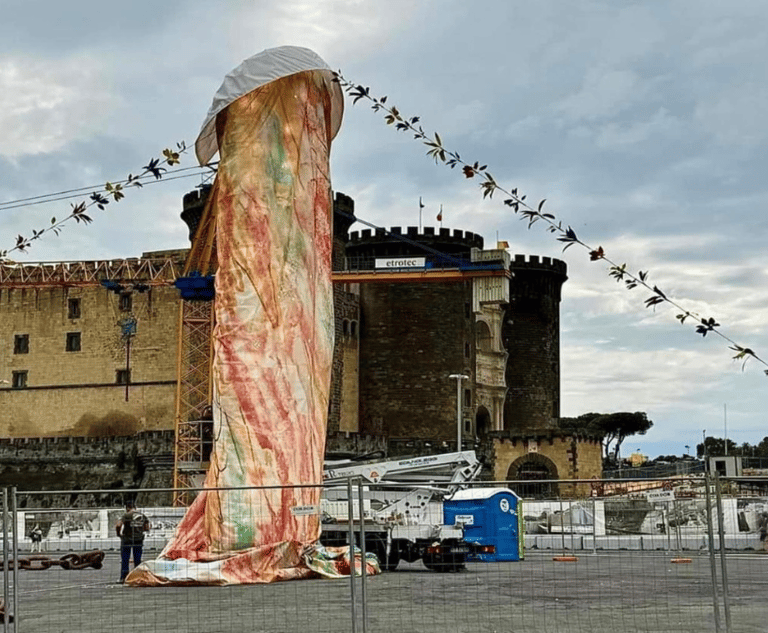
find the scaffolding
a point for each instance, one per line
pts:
(152, 271)
(194, 387)
(193, 397)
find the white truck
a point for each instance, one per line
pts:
(402, 508)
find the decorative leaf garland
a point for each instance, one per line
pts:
(100, 199)
(517, 202)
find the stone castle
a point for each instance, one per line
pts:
(90, 352)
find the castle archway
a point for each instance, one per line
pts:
(482, 422)
(483, 336)
(532, 476)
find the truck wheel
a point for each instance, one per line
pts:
(444, 563)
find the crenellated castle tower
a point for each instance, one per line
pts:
(531, 336)
(412, 337)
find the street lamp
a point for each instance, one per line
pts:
(458, 378)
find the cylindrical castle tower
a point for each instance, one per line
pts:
(193, 205)
(343, 218)
(412, 337)
(343, 402)
(531, 336)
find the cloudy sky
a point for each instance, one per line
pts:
(642, 123)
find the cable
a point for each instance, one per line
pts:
(80, 191)
(90, 190)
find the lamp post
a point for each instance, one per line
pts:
(458, 378)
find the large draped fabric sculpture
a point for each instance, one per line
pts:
(272, 122)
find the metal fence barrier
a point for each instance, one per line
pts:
(675, 554)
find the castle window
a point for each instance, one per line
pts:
(19, 379)
(73, 308)
(73, 341)
(126, 302)
(466, 350)
(123, 376)
(345, 327)
(467, 397)
(21, 344)
(483, 336)
(353, 329)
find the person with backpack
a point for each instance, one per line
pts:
(131, 528)
(36, 536)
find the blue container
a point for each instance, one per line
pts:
(490, 517)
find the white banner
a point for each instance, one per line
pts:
(402, 262)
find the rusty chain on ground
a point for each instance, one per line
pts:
(93, 559)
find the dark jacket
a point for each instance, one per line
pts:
(131, 527)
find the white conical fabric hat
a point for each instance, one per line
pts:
(267, 66)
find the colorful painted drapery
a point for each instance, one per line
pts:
(273, 343)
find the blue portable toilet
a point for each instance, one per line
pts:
(491, 518)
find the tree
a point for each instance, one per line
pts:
(667, 458)
(715, 446)
(614, 428)
(761, 450)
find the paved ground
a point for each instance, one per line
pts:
(632, 592)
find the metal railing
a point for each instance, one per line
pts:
(598, 555)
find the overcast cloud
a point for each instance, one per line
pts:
(643, 124)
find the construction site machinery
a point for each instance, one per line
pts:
(402, 510)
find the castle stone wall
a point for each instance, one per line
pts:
(573, 458)
(412, 336)
(86, 463)
(76, 391)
